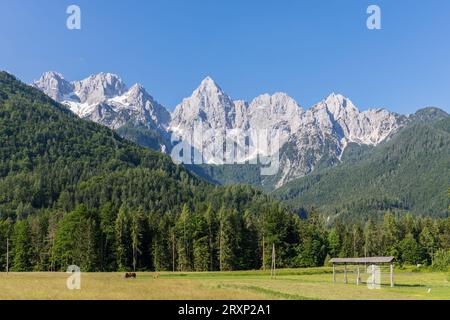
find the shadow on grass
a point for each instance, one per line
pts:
(269, 292)
(401, 285)
(404, 285)
(238, 274)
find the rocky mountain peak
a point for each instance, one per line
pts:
(137, 91)
(99, 87)
(54, 85)
(210, 94)
(208, 104)
(145, 107)
(104, 98)
(208, 85)
(339, 106)
(137, 88)
(52, 75)
(278, 104)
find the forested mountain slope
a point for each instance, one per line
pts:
(48, 156)
(73, 191)
(411, 173)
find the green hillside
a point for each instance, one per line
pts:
(49, 157)
(229, 174)
(143, 136)
(411, 172)
(72, 191)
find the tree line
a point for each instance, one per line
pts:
(211, 239)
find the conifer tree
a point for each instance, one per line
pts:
(123, 241)
(184, 239)
(21, 244)
(137, 220)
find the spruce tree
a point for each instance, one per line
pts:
(21, 244)
(184, 239)
(123, 241)
(137, 220)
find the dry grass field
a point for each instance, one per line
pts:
(312, 283)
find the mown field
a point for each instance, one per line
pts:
(310, 283)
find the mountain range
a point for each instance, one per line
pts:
(308, 138)
(408, 173)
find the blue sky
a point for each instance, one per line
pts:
(305, 48)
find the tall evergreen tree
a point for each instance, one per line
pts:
(313, 242)
(212, 227)
(227, 240)
(6, 230)
(409, 250)
(75, 240)
(371, 238)
(334, 243)
(22, 249)
(200, 243)
(123, 241)
(107, 238)
(428, 242)
(357, 240)
(163, 245)
(184, 239)
(137, 221)
(390, 235)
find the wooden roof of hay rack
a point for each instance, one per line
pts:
(363, 260)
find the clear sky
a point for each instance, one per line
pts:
(305, 48)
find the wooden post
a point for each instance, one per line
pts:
(358, 276)
(334, 273)
(7, 255)
(53, 245)
(273, 268)
(211, 251)
(392, 275)
(345, 274)
(220, 245)
(274, 262)
(263, 254)
(173, 252)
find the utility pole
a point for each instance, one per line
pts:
(220, 246)
(7, 255)
(173, 252)
(210, 250)
(53, 259)
(365, 255)
(263, 254)
(273, 268)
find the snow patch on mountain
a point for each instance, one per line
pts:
(104, 98)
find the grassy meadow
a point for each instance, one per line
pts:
(309, 283)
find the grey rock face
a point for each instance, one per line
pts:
(54, 85)
(207, 104)
(98, 88)
(308, 138)
(105, 99)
